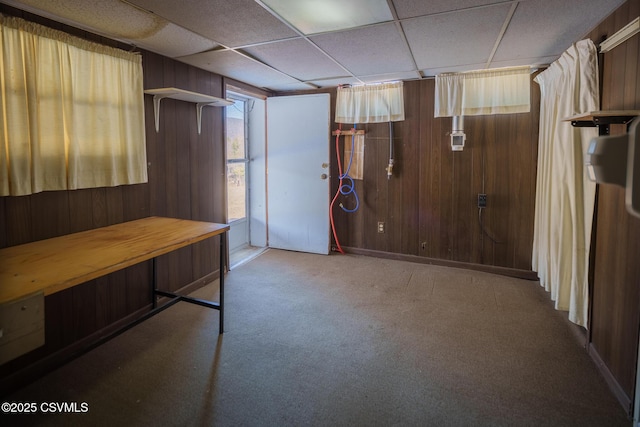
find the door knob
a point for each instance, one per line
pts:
(324, 176)
(325, 165)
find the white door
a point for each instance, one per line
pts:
(297, 173)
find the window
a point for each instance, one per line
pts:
(72, 112)
(236, 160)
(372, 103)
(497, 91)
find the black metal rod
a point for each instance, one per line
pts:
(154, 282)
(155, 292)
(202, 302)
(223, 238)
(198, 301)
(128, 326)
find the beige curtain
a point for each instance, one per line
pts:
(375, 103)
(499, 91)
(72, 112)
(564, 196)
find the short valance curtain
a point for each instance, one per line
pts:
(375, 103)
(72, 112)
(499, 91)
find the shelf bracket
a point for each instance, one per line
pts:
(156, 110)
(199, 106)
(199, 99)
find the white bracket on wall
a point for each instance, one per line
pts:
(200, 99)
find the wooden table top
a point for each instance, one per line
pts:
(55, 264)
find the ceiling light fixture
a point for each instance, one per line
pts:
(319, 16)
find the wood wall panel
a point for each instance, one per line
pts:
(616, 282)
(186, 180)
(49, 215)
(429, 205)
(114, 205)
(3, 220)
(408, 135)
(16, 214)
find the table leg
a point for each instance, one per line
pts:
(154, 282)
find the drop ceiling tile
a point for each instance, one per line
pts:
(370, 50)
(431, 72)
(533, 62)
(230, 23)
(413, 8)
(335, 82)
(542, 28)
(455, 39)
(298, 58)
(108, 17)
(174, 41)
(312, 16)
(232, 64)
(381, 78)
(293, 86)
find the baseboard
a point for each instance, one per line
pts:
(32, 372)
(613, 384)
(503, 271)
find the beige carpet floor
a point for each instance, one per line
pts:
(340, 340)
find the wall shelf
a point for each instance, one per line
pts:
(200, 99)
(602, 119)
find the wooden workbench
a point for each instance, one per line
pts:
(52, 265)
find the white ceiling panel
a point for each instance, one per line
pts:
(109, 17)
(370, 50)
(174, 41)
(455, 39)
(293, 86)
(232, 64)
(540, 61)
(298, 58)
(413, 8)
(336, 82)
(377, 78)
(542, 28)
(431, 72)
(230, 23)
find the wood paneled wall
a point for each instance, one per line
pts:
(186, 180)
(429, 205)
(616, 293)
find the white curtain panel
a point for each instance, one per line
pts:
(565, 197)
(73, 112)
(375, 103)
(498, 91)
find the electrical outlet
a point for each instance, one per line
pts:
(482, 200)
(380, 226)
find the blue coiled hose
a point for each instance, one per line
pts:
(349, 187)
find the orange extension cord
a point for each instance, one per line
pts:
(333, 226)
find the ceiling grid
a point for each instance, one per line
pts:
(284, 45)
